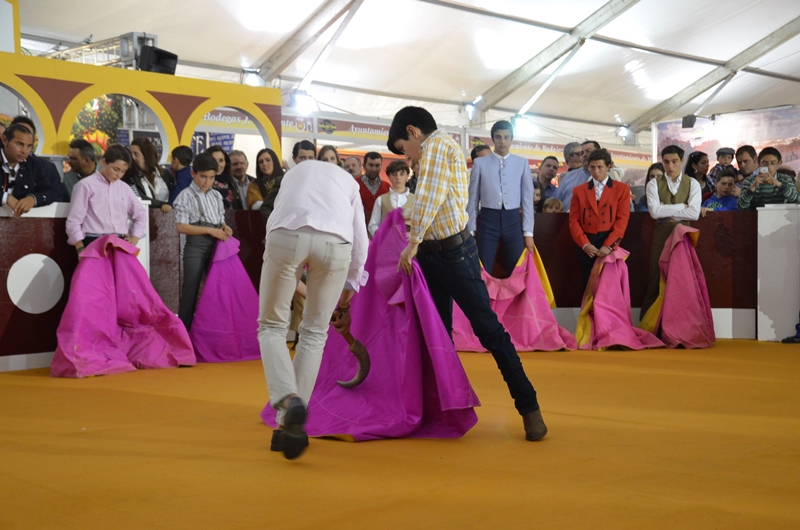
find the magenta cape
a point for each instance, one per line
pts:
(114, 320)
(225, 324)
(417, 386)
(524, 310)
(685, 317)
(605, 318)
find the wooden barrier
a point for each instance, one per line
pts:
(727, 250)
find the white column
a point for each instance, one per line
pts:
(778, 270)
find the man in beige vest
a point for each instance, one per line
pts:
(398, 196)
(671, 199)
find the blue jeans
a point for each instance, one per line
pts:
(498, 226)
(455, 274)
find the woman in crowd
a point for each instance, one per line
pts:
(328, 153)
(268, 168)
(223, 174)
(656, 171)
(697, 168)
(149, 181)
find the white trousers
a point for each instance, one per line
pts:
(287, 252)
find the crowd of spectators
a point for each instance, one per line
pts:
(756, 179)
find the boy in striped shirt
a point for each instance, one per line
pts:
(200, 215)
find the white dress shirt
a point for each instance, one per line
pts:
(325, 197)
(677, 212)
(398, 200)
(599, 187)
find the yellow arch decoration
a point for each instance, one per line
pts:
(48, 73)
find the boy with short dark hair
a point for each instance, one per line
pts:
(201, 217)
(447, 254)
(766, 185)
(102, 204)
(723, 199)
(181, 168)
(673, 199)
(398, 196)
(500, 186)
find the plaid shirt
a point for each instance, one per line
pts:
(442, 192)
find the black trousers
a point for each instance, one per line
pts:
(584, 261)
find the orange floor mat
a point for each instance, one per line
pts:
(656, 439)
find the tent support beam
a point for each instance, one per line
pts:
(292, 46)
(554, 51)
(716, 76)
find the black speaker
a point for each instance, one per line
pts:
(688, 121)
(152, 59)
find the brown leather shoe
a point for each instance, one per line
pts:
(535, 429)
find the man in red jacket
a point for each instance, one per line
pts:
(370, 184)
(598, 213)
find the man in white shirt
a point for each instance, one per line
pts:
(671, 199)
(318, 224)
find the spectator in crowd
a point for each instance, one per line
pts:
(352, 165)
(724, 161)
(598, 216)
(240, 180)
(398, 197)
(787, 172)
(723, 199)
(82, 162)
(200, 215)
(655, 171)
(25, 185)
(537, 196)
(673, 199)
(552, 205)
(223, 179)
(2, 128)
(102, 204)
(747, 161)
(479, 151)
(499, 186)
(181, 168)
(575, 176)
(767, 186)
(302, 151)
(319, 216)
(150, 182)
(48, 168)
(697, 168)
(412, 182)
(328, 153)
(548, 170)
(448, 255)
(572, 155)
(370, 183)
(267, 171)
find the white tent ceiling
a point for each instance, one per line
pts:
(446, 53)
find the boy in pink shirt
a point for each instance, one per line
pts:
(101, 204)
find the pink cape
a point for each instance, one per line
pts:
(522, 307)
(417, 386)
(605, 319)
(225, 324)
(114, 320)
(685, 318)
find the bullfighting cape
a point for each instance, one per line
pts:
(681, 316)
(605, 319)
(225, 326)
(523, 303)
(416, 386)
(114, 320)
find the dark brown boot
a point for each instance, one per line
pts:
(535, 429)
